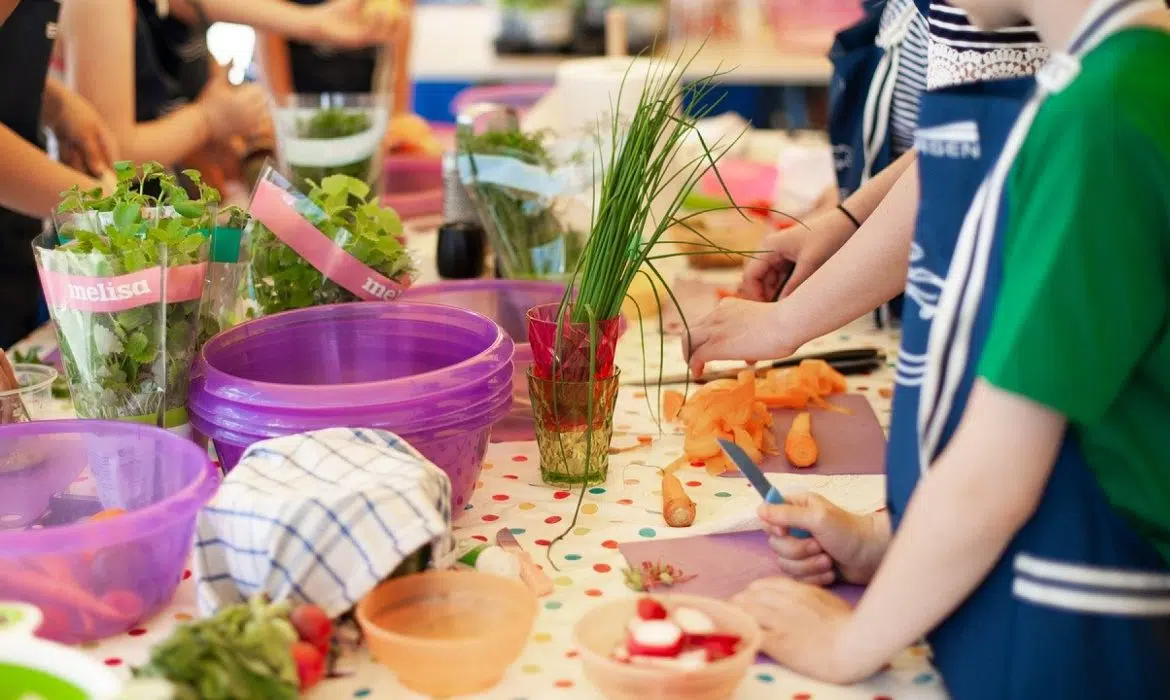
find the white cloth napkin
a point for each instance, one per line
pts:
(320, 517)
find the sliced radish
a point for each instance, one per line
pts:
(693, 660)
(659, 638)
(650, 609)
(621, 654)
(693, 621)
(717, 646)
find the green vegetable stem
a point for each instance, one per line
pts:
(241, 653)
(343, 209)
(132, 363)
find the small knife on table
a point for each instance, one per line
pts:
(853, 361)
(537, 581)
(749, 469)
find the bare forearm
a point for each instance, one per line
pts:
(867, 271)
(31, 182)
(275, 69)
(170, 138)
(959, 521)
(279, 16)
(865, 201)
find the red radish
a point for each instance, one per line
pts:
(693, 621)
(693, 659)
(650, 609)
(313, 626)
(659, 638)
(310, 663)
(717, 646)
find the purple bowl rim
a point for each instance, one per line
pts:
(481, 284)
(222, 377)
(191, 497)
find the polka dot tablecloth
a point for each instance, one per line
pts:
(587, 561)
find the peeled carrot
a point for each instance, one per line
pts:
(678, 510)
(799, 446)
(672, 403)
(107, 514)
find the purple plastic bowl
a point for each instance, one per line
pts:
(262, 425)
(362, 354)
(95, 579)
(456, 449)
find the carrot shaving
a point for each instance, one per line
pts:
(799, 446)
(740, 410)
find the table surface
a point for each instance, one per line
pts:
(757, 59)
(624, 509)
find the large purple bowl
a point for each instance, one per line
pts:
(426, 372)
(343, 356)
(94, 578)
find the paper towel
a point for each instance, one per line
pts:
(589, 89)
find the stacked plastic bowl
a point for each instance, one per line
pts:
(437, 376)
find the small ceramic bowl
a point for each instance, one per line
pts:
(604, 628)
(447, 633)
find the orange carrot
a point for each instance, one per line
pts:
(678, 510)
(672, 403)
(799, 446)
(107, 514)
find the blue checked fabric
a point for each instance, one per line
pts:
(320, 517)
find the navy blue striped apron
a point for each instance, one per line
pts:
(1078, 607)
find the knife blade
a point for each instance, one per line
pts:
(851, 361)
(537, 581)
(757, 479)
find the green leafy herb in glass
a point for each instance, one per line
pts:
(529, 238)
(131, 363)
(332, 123)
(342, 208)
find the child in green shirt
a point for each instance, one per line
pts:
(1029, 484)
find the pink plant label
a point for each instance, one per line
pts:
(111, 294)
(275, 208)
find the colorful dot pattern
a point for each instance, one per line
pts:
(586, 565)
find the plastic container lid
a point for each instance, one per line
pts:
(359, 354)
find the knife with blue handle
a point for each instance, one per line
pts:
(749, 469)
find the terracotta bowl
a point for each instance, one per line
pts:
(447, 633)
(603, 628)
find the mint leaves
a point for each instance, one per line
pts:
(343, 209)
(128, 363)
(333, 123)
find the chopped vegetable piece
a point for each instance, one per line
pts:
(672, 403)
(799, 447)
(312, 626)
(660, 638)
(678, 510)
(107, 514)
(650, 609)
(693, 622)
(310, 664)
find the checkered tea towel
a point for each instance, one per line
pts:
(320, 517)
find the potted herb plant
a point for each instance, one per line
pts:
(123, 275)
(515, 184)
(331, 134)
(336, 244)
(538, 24)
(649, 168)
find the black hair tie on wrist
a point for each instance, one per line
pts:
(849, 215)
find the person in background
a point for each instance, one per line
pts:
(306, 67)
(1029, 480)
(174, 104)
(30, 181)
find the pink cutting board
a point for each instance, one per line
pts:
(848, 444)
(723, 565)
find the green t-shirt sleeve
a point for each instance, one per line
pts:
(1082, 295)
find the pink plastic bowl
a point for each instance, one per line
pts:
(413, 185)
(97, 578)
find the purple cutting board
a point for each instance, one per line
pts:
(849, 444)
(723, 565)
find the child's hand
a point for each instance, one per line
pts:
(354, 24)
(802, 249)
(805, 628)
(737, 330)
(855, 543)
